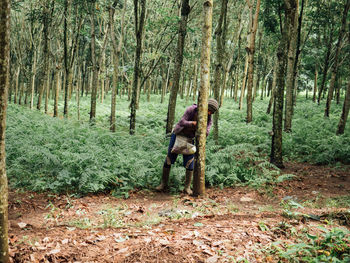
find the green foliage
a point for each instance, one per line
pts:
(313, 138)
(331, 246)
(53, 154)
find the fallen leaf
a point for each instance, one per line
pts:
(55, 251)
(164, 242)
(212, 259)
(22, 225)
(65, 241)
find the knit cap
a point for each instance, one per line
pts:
(213, 105)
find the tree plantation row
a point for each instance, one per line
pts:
(60, 48)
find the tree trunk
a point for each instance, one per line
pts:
(17, 84)
(250, 53)
(199, 169)
(220, 34)
(47, 90)
(138, 33)
(326, 65)
(336, 59)
(33, 80)
(273, 86)
(116, 56)
(66, 62)
(315, 84)
(94, 66)
(185, 11)
(276, 157)
(43, 86)
(345, 112)
(291, 57)
(4, 86)
(238, 65)
(240, 106)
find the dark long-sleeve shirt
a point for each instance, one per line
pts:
(185, 126)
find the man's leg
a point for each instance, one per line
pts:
(169, 160)
(189, 165)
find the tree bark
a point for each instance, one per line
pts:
(336, 59)
(273, 86)
(199, 169)
(185, 11)
(276, 157)
(250, 53)
(116, 56)
(326, 65)
(220, 34)
(244, 81)
(291, 57)
(315, 84)
(345, 112)
(139, 24)
(46, 30)
(4, 86)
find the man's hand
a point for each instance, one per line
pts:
(194, 123)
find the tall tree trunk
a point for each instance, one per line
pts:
(220, 34)
(94, 66)
(195, 80)
(17, 84)
(336, 59)
(345, 112)
(291, 57)
(257, 82)
(45, 53)
(33, 80)
(185, 11)
(276, 157)
(315, 84)
(199, 169)
(250, 53)
(273, 86)
(139, 24)
(326, 65)
(4, 86)
(116, 56)
(66, 62)
(244, 81)
(238, 65)
(57, 89)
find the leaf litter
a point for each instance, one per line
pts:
(236, 223)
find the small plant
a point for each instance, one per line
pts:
(331, 246)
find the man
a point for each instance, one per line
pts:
(185, 127)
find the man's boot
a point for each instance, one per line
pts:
(165, 178)
(188, 181)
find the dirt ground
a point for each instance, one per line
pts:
(235, 224)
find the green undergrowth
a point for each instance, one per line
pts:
(329, 246)
(59, 155)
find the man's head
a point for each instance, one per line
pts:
(213, 106)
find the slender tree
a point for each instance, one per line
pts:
(291, 56)
(139, 6)
(185, 11)
(345, 112)
(276, 157)
(335, 65)
(250, 53)
(4, 86)
(116, 56)
(199, 169)
(220, 34)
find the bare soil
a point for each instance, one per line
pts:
(227, 225)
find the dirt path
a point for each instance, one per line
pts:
(228, 225)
